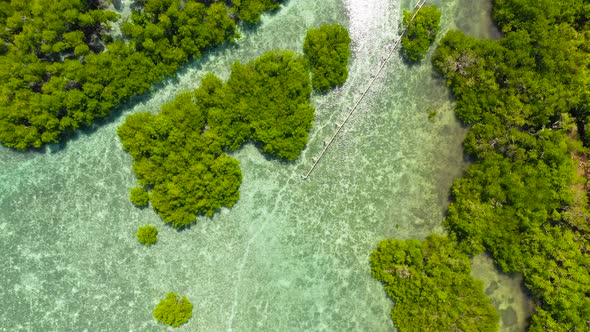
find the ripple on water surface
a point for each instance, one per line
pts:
(291, 255)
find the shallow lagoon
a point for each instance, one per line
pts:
(292, 254)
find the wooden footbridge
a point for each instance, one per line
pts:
(396, 44)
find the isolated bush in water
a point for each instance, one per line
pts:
(147, 235)
(327, 49)
(173, 310)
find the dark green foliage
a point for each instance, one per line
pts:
(327, 49)
(178, 153)
(40, 94)
(55, 77)
(147, 235)
(173, 310)
(266, 101)
(517, 201)
(250, 10)
(432, 287)
(139, 196)
(169, 32)
(421, 31)
(184, 164)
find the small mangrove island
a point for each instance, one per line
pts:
(180, 153)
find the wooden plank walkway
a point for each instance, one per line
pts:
(396, 44)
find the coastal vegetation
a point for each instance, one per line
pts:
(265, 101)
(250, 10)
(139, 196)
(147, 235)
(173, 310)
(432, 287)
(184, 166)
(328, 50)
(169, 32)
(179, 154)
(421, 31)
(524, 199)
(524, 96)
(60, 68)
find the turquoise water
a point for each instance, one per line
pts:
(292, 254)
(506, 292)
